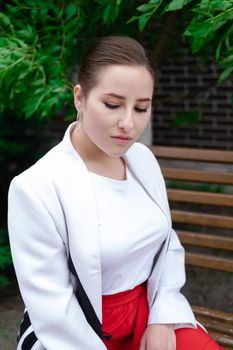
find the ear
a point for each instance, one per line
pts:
(78, 98)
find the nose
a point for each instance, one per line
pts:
(126, 122)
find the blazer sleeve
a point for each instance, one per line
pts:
(40, 262)
(170, 305)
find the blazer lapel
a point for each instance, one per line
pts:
(148, 178)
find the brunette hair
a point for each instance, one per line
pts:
(111, 50)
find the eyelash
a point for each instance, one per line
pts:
(139, 110)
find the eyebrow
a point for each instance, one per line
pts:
(123, 98)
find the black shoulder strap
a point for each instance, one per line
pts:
(86, 305)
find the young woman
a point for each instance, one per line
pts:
(98, 264)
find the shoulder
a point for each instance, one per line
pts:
(42, 176)
(39, 170)
(56, 163)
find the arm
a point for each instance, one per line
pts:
(170, 306)
(158, 337)
(170, 309)
(40, 261)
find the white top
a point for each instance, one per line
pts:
(132, 228)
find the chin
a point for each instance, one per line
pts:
(119, 153)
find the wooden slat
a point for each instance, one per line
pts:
(223, 340)
(199, 197)
(197, 176)
(211, 313)
(202, 219)
(216, 156)
(216, 326)
(218, 323)
(209, 262)
(204, 240)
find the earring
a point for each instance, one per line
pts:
(78, 119)
(78, 115)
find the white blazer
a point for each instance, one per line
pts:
(52, 211)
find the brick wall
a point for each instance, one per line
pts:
(181, 82)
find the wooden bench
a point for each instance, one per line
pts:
(203, 219)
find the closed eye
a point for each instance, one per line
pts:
(114, 106)
(110, 105)
(140, 110)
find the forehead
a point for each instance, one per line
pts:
(126, 80)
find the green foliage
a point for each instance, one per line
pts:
(110, 11)
(41, 45)
(213, 23)
(176, 5)
(186, 119)
(209, 26)
(5, 257)
(147, 12)
(34, 59)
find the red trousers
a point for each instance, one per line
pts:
(125, 317)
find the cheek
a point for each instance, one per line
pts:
(96, 120)
(143, 122)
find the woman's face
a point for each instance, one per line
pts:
(116, 110)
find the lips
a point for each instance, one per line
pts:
(121, 137)
(122, 140)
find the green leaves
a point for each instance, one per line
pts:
(147, 7)
(110, 10)
(176, 5)
(41, 43)
(159, 7)
(186, 119)
(4, 19)
(225, 74)
(71, 10)
(148, 10)
(37, 54)
(212, 27)
(209, 26)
